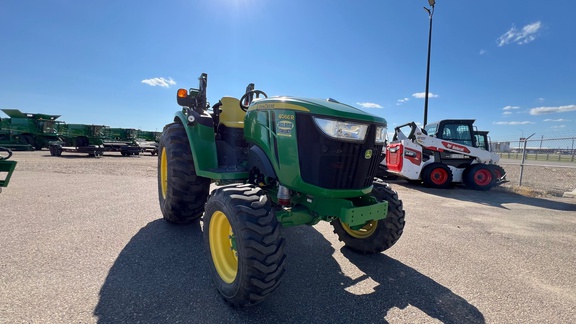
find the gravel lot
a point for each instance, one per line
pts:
(82, 241)
(546, 177)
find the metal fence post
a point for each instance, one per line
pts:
(522, 163)
(523, 159)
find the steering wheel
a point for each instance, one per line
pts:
(248, 97)
(4, 157)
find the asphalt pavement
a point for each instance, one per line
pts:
(82, 240)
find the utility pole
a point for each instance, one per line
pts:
(430, 14)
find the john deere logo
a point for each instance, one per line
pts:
(368, 154)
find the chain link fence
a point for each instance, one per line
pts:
(546, 165)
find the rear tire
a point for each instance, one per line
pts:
(181, 193)
(243, 242)
(479, 177)
(437, 175)
(377, 235)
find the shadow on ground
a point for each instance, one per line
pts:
(496, 197)
(161, 276)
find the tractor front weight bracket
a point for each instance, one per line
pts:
(307, 210)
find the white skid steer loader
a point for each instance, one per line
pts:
(445, 152)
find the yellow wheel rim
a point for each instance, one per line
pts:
(164, 173)
(223, 247)
(368, 229)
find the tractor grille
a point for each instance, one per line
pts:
(334, 164)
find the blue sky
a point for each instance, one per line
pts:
(508, 64)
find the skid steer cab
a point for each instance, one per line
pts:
(277, 162)
(446, 152)
(6, 167)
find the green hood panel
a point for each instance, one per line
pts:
(327, 108)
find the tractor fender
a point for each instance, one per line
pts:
(201, 139)
(203, 119)
(258, 159)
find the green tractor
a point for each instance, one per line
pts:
(277, 162)
(6, 167)
(25, 130)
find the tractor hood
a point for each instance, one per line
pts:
(329, 108)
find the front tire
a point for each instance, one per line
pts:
(376, 235)
(479, 177)
(181, 193)
(499, 172)
(243, 241)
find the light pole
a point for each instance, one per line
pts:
(430, 14)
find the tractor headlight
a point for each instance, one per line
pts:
(342, 129)
(381, 134)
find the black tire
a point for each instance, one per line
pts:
(499, 172)
(479, 177)
(244, 244)
(383, 174)
(437, 175)
(414, 182)
(181, 193)
(375, 236)
(55, 150)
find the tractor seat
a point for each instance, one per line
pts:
(230, 113)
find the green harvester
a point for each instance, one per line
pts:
(27, 131)
(79, 138)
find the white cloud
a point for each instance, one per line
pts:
(401, 101)
(422, 95)
(540, 99)
(525, 35)
(556, 120)
(551, 110)
(513, 123)
(368, 105)
(483, 51)
(507, 113)
(560, 126)
(510, 107)
(161, 82)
